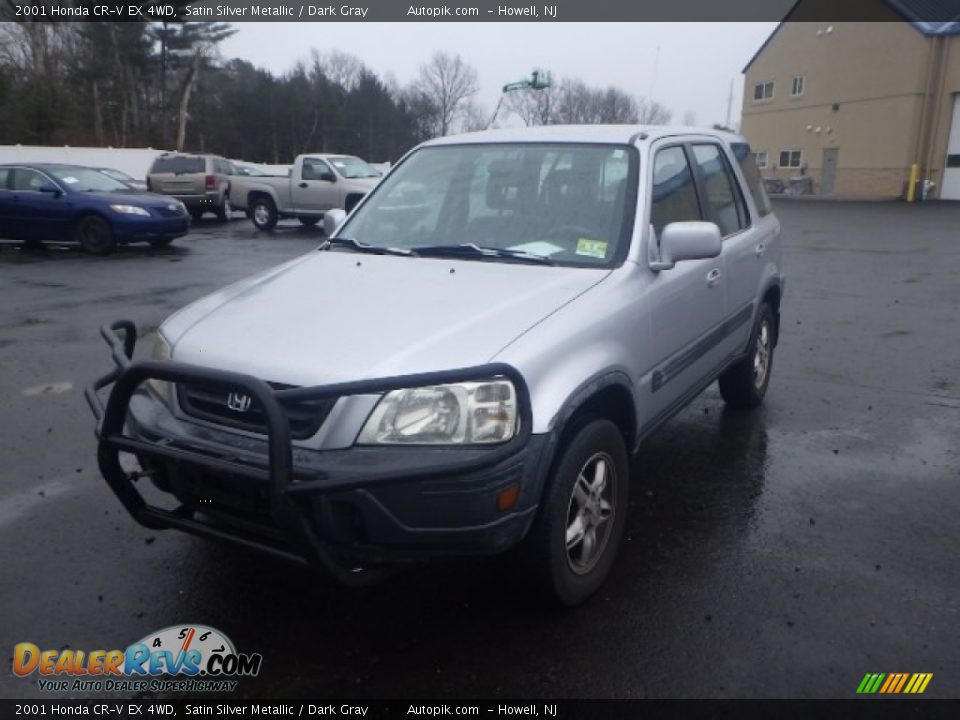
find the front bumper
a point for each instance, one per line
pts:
(335, 508)
(133, 229)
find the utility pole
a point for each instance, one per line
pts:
(729, 103)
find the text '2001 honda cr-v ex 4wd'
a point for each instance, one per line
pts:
(464, 366)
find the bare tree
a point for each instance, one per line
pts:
(614, 106)
(690, 118)
(534, 107)
(186, 89)
(339, 67)
(650, 112)
(446, 83)
(474, 117)
(578, 103)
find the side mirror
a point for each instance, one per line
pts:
(333, 219)
(52, 189)
(692, 240)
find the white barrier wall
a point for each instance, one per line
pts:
(133, 161)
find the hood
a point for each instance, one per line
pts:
(334, 316)
(360, 184)
(132, 197)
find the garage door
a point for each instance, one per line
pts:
(951, 173)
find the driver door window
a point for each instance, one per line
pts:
(314, 169)
(674, 196)
(27, 180)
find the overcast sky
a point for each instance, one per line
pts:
(691, 72)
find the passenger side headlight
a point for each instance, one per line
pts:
(161, 351)
(129, 210)
(464, 413)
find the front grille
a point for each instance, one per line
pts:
(210, 403)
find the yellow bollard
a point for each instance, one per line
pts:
(912, 183)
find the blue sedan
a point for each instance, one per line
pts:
(72, 203)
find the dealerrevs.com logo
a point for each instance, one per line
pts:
(184, 658)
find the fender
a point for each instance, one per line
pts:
(577, 399)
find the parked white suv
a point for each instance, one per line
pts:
(466, 364)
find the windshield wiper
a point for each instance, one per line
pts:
(364, 247)
(472, 250)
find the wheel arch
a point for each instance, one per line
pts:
(609, 396)
(772, 294)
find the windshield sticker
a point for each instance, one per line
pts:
(69, 180)
(592, 248)
(538, 248)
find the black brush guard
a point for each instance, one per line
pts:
(278, 471)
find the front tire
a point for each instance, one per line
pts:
(196, 214)
(160, 242)
(573, 542)
(744, 384)
(308, 221)
(95, 235)
(263, 213)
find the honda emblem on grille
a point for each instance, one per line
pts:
(238, 402)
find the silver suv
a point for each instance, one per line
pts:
(466, 364)
(201, 182)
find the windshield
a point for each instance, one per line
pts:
(353, 167)
(569, 203)
(116, 175)
(179, 164)
(86, 180)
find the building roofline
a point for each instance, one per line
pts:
(928, 28)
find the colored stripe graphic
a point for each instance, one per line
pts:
(894, 683)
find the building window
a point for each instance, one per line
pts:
(761, 158)
(763, 91)
(790, 158)
(798, 82)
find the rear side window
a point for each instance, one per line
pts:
(24, 179)
(741, 151)
(723, 199)
(674, 196)
(178, 165)
(4, 174)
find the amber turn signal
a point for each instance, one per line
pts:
(508, 498)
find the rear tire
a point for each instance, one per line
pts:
(225, 211)
(308, 221)
(744, 384)
(263, 213)
(570, 549)
(196, 213)
(95, 235)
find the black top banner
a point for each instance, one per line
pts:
(121, 708)
(924, 11)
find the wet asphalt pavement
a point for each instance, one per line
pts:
(785, 552)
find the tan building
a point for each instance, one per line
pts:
(852, 105)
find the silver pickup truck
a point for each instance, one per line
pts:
(316, 183)
(465, 364)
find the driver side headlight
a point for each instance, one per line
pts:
(464, 413)
(161, 351)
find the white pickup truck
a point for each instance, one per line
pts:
(316, 183)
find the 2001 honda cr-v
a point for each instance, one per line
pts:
(466, 363)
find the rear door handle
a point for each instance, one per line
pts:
(713, 277)
(761, 249)
(304, 185)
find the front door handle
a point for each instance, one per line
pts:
(304, 185)
(713, 277)
(760, 249)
